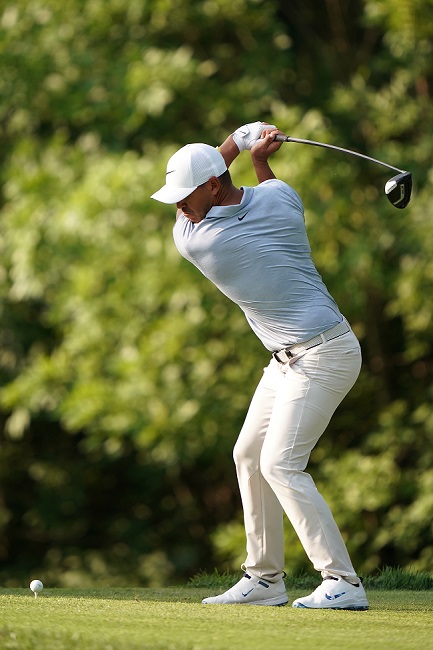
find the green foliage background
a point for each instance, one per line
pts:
(125, 376)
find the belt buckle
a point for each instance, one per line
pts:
(286, 352)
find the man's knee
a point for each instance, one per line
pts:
(270, 469)
(279, 470)
(242, 452)
(246, 454)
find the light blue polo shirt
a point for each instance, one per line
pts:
(257, 253)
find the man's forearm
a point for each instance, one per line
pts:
(229, 150)
(263, 170)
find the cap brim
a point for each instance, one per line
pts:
(169, 194)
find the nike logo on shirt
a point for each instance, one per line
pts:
(243, 216)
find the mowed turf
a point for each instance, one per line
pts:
(175, 619)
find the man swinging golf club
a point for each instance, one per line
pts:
(251, 242)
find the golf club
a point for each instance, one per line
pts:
(397, 189)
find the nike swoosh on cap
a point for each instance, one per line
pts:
(170, 172)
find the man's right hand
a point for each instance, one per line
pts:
(266, 145)
(262, 150)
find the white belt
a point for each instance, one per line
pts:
(284, 355)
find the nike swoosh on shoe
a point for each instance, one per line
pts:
(328, 597)
(248, 592)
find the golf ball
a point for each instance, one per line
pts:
(36, 586)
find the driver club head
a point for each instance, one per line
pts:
(398, 189)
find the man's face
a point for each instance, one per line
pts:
(197, 204)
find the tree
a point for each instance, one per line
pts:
(123, 371)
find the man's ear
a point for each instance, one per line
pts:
(214, 184)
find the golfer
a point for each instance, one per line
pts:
(251, 242)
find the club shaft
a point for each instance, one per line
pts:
(285, 138)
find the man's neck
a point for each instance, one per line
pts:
(229, 196)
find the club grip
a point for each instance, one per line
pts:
(281, 138)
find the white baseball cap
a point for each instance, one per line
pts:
(188, 168)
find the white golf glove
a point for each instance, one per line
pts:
(247, 135)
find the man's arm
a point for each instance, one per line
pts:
(243, 138)
(229, 150)
(260, 153)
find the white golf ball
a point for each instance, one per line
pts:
(36, 586)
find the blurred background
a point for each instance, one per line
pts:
(125, 375)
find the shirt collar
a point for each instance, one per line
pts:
(224, 211)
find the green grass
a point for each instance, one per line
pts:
(174, 619)
(388, 579)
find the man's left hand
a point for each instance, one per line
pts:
(246, 136)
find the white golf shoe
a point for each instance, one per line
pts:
(335, 593)
(252, 591)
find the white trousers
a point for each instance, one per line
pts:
(290, 410)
